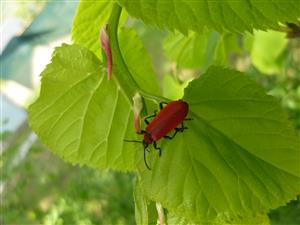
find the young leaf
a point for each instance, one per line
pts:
(137, 60)
(186, 51)
(238, 159)
(172, 89)
(234, 16)
(80, 115)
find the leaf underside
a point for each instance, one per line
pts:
(234, 16)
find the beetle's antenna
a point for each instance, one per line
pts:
(145, 149)
(145, 159)
(132, 141)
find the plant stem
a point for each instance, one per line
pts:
(160, 212)
(120, 68)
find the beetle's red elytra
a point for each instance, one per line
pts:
(167, 119)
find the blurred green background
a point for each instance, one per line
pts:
(36, 186)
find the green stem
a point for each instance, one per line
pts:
(119, 67)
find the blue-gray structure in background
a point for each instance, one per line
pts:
(53, 22)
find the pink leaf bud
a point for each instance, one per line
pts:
(106, 47)
(137, 108)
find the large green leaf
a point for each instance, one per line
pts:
(80, 115)
(235, 16)
(239, 157)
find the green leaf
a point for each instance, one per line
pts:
(261, 220)
(172, 89)
(288, 214)
(145, 211)
(186, 51)
(193, 51)
(137, 60)
(238, 159)
(201, 50)
(234, 16)
(173, 219)
(84, 118)
(226, 47)
(267, 47)
(80, 115)
(140, 203)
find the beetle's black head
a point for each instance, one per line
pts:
(145, 144)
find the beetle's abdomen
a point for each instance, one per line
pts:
(170, 117)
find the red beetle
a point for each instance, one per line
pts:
(168, 119)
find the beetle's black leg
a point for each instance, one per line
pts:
(155, 112)
(188, 119)
(157, 148)
(176, 131)
(148, 117)
(161, 104)
(142, 132)
(181, 129)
